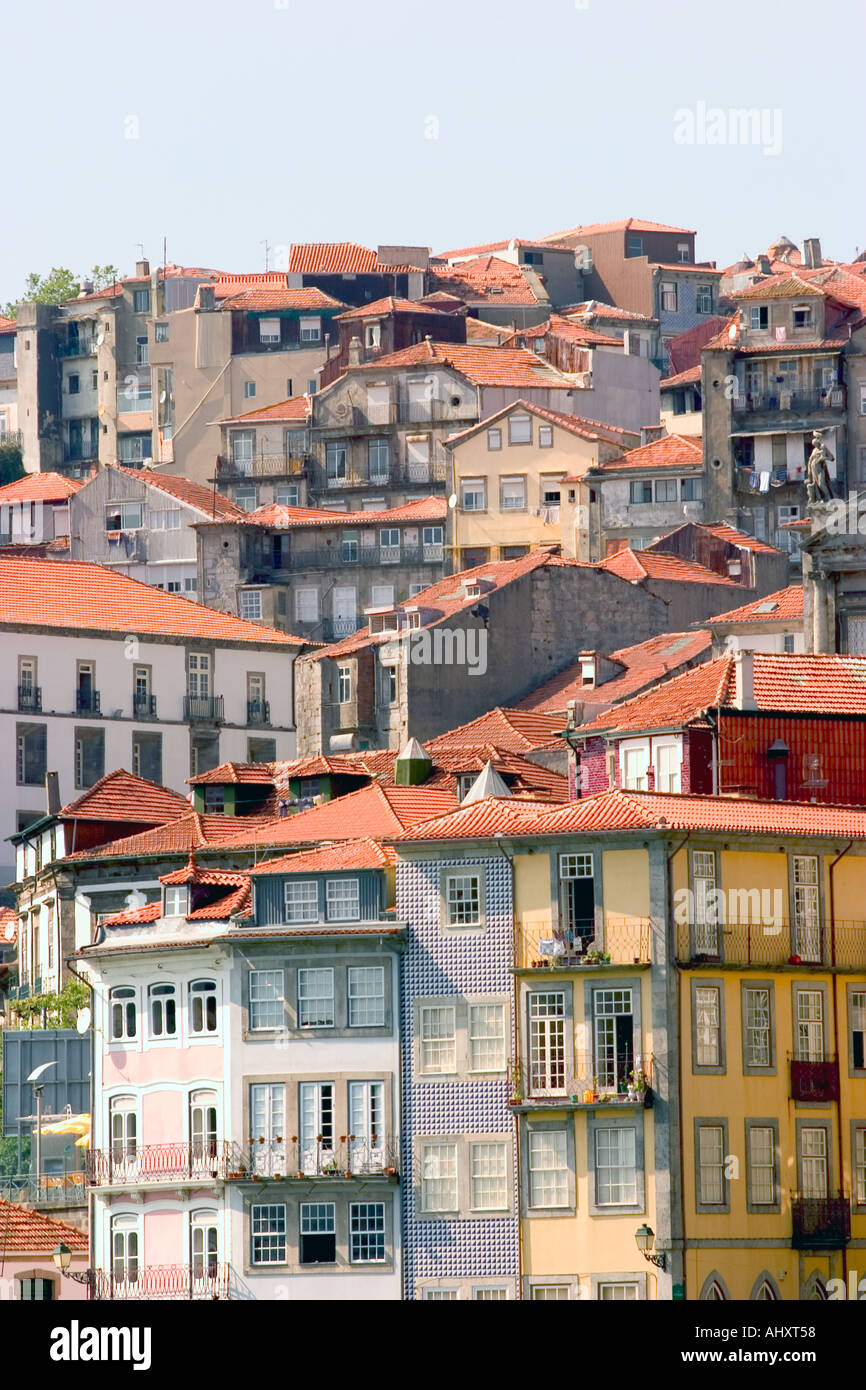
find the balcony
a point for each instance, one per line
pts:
(87, 702)
(143, 706)
(550, 947)
(429, 411)
(208, 1280)
(587, 1083)
(131, 1166)
(258, 712)
(772, 943)
(76, 347)
(777, 399)
(357, 474)
(335, 629)
(820, 1223)
(815, 1081)
(280, 465)
(203, 709)
(346, 1157)
(30, 698)
(53, 1190)
(366, 556)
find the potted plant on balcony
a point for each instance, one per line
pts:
(637, 1085)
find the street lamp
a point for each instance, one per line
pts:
(35, 1079)
(61, 1256)
(645, 1238)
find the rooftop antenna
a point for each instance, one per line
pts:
(140, 245)
(267, 245)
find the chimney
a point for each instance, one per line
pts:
(778, 754)
(52, 793)
(812, 253)
(142, 269)
(354, 352)
(744, 680)
(763, 264)
(205, 297)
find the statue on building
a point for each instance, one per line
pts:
(818, 487)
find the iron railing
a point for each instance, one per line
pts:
(76, 347)
(144, 706)
(798, 402)
(362, 556)
(135, 1165)
(205, 708)
(773, 942)
(550, 946)
(258, 712)
(52, 1190)
(584, 1079)
(30, 697)
(261, 466)
(820, 1223)
(207, 1280)
(343, 1157)
(87, 702)
(815, 1081)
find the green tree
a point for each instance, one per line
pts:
(11, 464)
(103, 275)
(58, 285)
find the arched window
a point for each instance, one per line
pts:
(123, 1125)
(124, 1249)
(815, 1290)
(203, 1246)
(203, 1125)
(714, 1290)
(765, 1290)
(163, 1011)
(202, 1007)
(123, 1012)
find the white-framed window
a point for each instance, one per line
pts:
(666, 489)
(762, 1164)
(807, 907)
(635, 764)
(759, 316)
(316, 998)
(704, 299)
(302, 901)
(545, 436)
(316, 1100)
(439, 1177)
(367, 1123)
(267, 999)
(162, 1010)
(249, 390)
(310, 328)
(486, 1037)
(756, 1026)
(473, 494)
(520, 429)
(640, 492)
(176, 900)
(344, 684)
(198, 675)
(366, 1232)
(441, 1295)
(318, 1233)
(124, 516)
(860, 1167)
(810, 1025)
(160, 332)
(463, 900)
(269, 330)
(615, 1171)
(711, 1165)
(512, 494)
(203, 1245)
(202, 1007)
(667, 767)
(488, 1175)
(141, 301)
(366, 994)
(708, 1034)
(490, 1293)
(548, 1167)
(802, 316)
(124, 1249)
(813, 1162)
(494, 438)
(438, 1039)
(683, 253)
(575, 866)
(123, 1129)
(268, 1227)
(287, 495)
(390, 685)
(251, 605)
(141, 356)
(669, 296)
(618, 1292)
(558, 1293)
(307, 605)
(243, 448)
(546, 1040)
(613, 1036)
(382, 595)
(343, 898)
(123, 1013)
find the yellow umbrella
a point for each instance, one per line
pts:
(70, 1124)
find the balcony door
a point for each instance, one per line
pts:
(707, 935)
(813, 1163)
(810, 1025)
(367, 1126)
(204, 1251)
(577, 890)
(807, 914)
(546, 1041)
(614, 1037)
(123, 1128)
(345, 610)
(268, 1128)
(317, 1126)
(124, 1251)
(203, 1131)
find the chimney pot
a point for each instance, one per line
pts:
(744, 677)
(52, 793)
(142, 268)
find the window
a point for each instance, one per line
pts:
(617, 1292)
(706, 925)
(344, 684)
(316, 998)
(857, 1024)
(246, 498)
(202, 1007)
(813, 1162)
(249, 390)
(692, 489)
(666, 490)
(433, 536)
(288, 496)
(203, 1246)
(809, 1016)
(342, 896)
(548, 1167)
(762, 1165)
(267, 1000)
(124, 516)
(711, 1165)
(441, 1296)
(124, 1249)
(439, 1177)
(307, 605)
(251, 604)
(31, 755)
(669, 296)
(512, 494)
(708, 1029)
(683, 253)
(268, 1226)
(378, 460)
(613, 1029)
(547, 1041)
(807, 916)
(389, 543)
(860, 1167)
(490, 1293)
(635, 764)
(269, 330)
(367, 1123)
(667, 767)
(141, 301)
(802, 316)
(520, 429)
(473, 494)
(372, 335)
(311, 329)
(160, 332)
(38, 1290)
(545, 436)
(486, 1037)
(494, 438)
(640, 492)
(141, 351)
(704, 299)
(757, 1042)
(366, 1232)
(759, 317)
(123, 1129)
(634, 246)
(198, 675)
(268, 1124)
(316, 1099)
(462, 900)
(438, 1039)
(162, 1011)
(390, 687)
(788, 643)
(382, 595)
(615, 1171)
(366, 990)
(176, 900)
(73, 382)
(488, 1176)
(123, 1013)
(302, 901)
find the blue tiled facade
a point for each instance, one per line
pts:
(447, 962)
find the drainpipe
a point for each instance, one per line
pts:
(678, 1033)
(515, 1034)
(835, 978)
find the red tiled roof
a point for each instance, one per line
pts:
(484, 248)
(276, 514)
(516, 730)
(238, 903)
(689, 377)
(24, 1231)
(486, 819)
(638, 565)
(7, 325)
(570, 331)
(723, 532)
(670, 451)
(122, 796)
(134, 916)
(779, 287)
(783, 606)
(295, 408)
(644, 665)
(632, 224)
(597, 309)
(388, 305)
(203, 499)
(231, 773)
(211, 878)
(480, 363)
(372, 812)
(487, 280)
(188, 832)
(690, 267)
(39, 487)
(575, 424)
(263, 299)
(340, 258)
(351, 854)
(93, 598)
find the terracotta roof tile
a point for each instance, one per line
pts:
(490, 818)
(423, 509)
(134, 916)
(39, 487)
(188, 832)
(238, 903)
(351, 854)
(235, 774)
(8, 925)
(272, 298)
(24, 1231)
(783, 606)
(690, 377)
(597, 309)
(643, 665)
(90, 597)
(517, 730)
(729, 533)
(632, 224)
(670, 451)
(122, 796)
(489, 280)
(339, 258)
(779, 287)
(372, 812)
(482, 364)
(203, 499)
(296, 408)
(388, 305)
(638, 565)
(574, 424)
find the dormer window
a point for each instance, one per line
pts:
(343, 900)
(176, 902)
(587, 670)
(302, 901)
(759, 317)
(384, 622)
(802, 316)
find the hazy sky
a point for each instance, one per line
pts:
(290, 120)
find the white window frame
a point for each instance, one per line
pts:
(301, 900)
(267, 988)
(314, 998)
(365, 990)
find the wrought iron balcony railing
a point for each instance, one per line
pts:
(551, 946)
(583, 1080)
(133, 1165)
(258, 712)
(343, 1157)
(280, 465)
(207, 709)
(143, 706)
(820, 1223)
(87, 702)
(30, 697)
(775, 941)
(204, 1280)
(52, 1190)
(776, 398)
(815, 1081)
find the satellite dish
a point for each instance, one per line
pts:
(732, 332)
(82, 1022)
(162, 397)
(452, 500)
(100, 410)
(100, 337)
